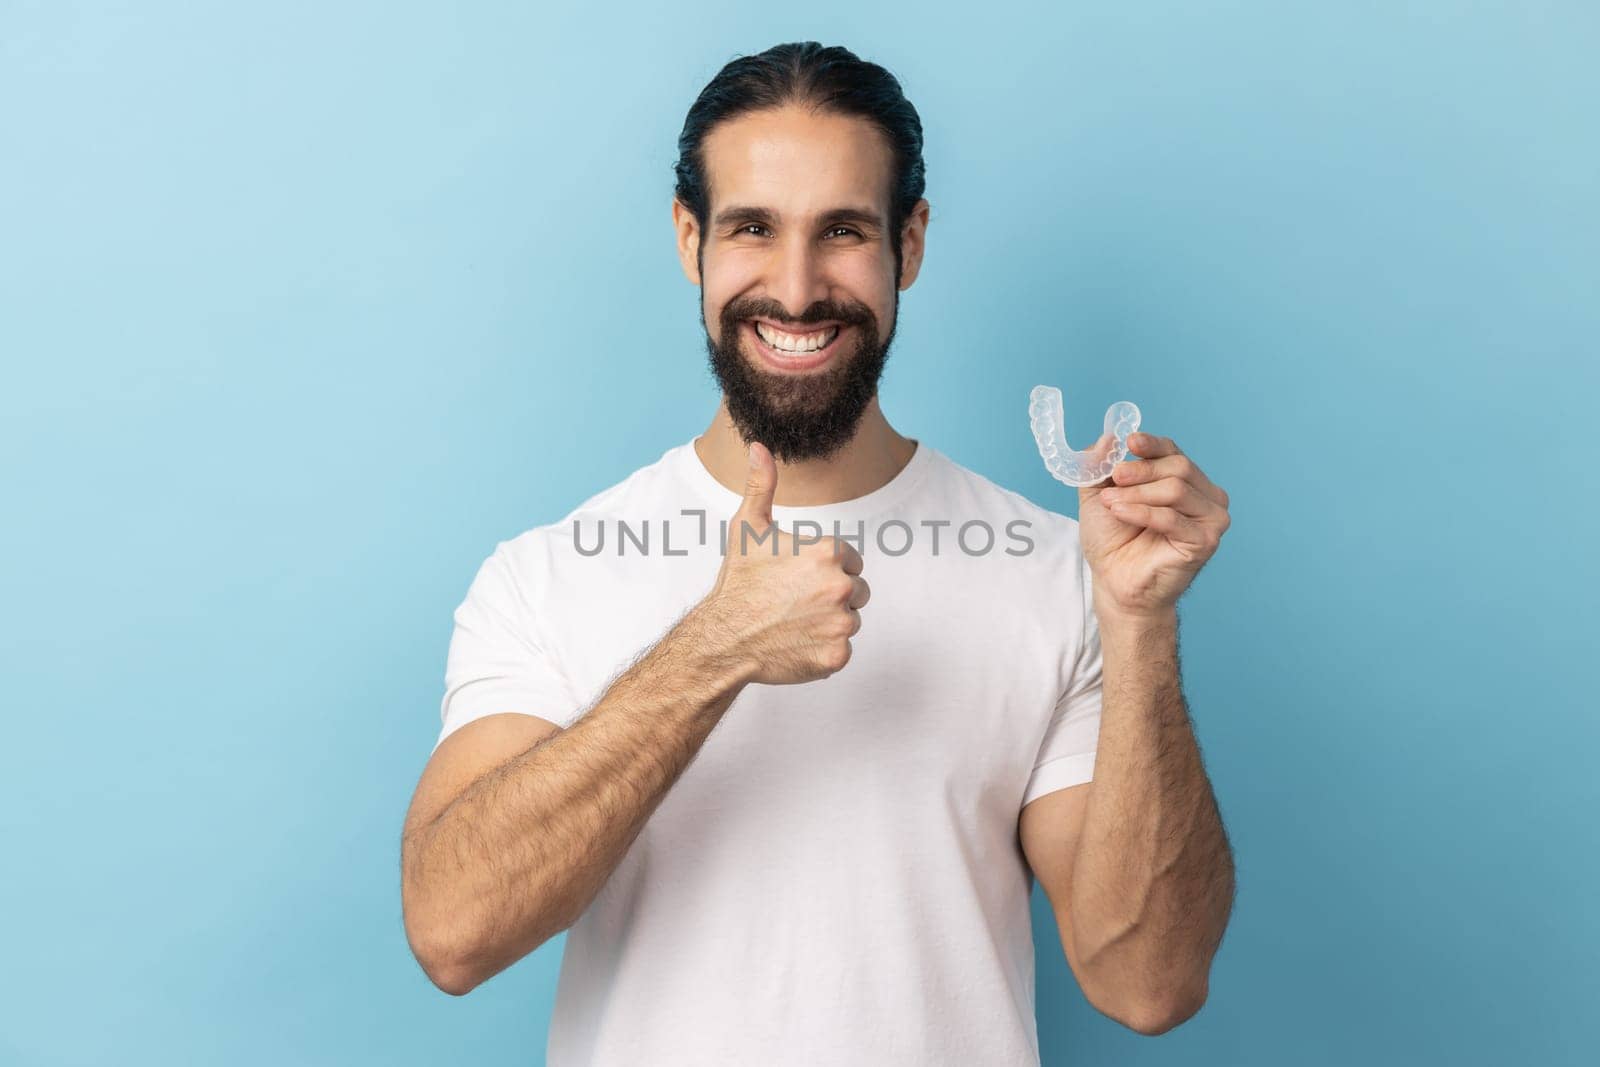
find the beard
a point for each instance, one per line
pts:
(799, 416)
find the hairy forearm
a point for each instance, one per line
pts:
(1153, 875)
(518, 856)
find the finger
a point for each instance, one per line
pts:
(861, 594)
(1170, 492)
(1133, 471)
(855, 627)
(1174, 524)
(849, 559)
(1150, 446)
(760, 485)
(1130, 472)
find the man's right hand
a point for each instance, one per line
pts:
(787, 607)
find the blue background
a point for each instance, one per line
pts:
(304, 306)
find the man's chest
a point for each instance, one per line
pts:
(947, 693)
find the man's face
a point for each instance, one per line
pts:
(796, 267)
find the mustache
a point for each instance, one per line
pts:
(821, 311)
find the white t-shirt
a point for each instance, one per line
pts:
(837, 877)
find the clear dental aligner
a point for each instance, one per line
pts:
(1065, 465)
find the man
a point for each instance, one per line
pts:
(782, 826)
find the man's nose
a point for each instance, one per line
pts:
(798, 277)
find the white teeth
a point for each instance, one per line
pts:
(788, 342)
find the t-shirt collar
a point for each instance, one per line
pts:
(720, 500)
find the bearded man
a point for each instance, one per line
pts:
(778, 825)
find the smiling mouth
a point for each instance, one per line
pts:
(790, 343)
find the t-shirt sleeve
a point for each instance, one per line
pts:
(1066, 756)
(497, 660)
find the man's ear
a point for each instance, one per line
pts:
(683, 221)
(912, 238)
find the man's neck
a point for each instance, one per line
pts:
(868, 461)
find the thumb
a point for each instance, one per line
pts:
(1087, 493)
(760, 485)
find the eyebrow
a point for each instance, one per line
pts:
(743, 215)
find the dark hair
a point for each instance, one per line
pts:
(827, 79)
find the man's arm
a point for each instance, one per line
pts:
(1136, 864)
(519, 854)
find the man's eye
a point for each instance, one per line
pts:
(747, 227)
(844, 229)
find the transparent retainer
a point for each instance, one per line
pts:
(1078, 468)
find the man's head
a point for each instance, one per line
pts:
(800, 215)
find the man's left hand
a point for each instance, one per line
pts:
(1149, 529)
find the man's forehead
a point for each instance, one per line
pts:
(796, 164)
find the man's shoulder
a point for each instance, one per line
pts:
(640, 495)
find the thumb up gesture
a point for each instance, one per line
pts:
(787, 607)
